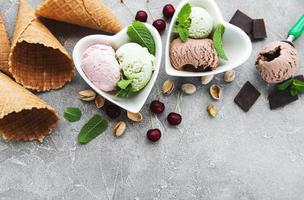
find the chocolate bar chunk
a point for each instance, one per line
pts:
(247, 96)
(279, 99)
(258, 29)
(299, 78)
(242, 21)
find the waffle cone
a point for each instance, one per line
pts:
(37, 60)
(88, 13)
(4, 47)
(23, 116)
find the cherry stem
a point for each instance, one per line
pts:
(129, 9)
(158, 92)
(148, 9)
(178, 101)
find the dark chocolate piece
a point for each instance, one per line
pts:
(258, 29)
(242, 21)
(299, 78)
(247, 96)
(279, 99)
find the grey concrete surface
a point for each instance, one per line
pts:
(257, 155)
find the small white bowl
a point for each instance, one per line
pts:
(134, 102)
(236, 43)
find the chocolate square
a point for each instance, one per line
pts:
(279, 99)
(247, 96)
(242, 21)
(258, 29)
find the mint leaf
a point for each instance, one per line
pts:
(285, 84)
(183, 22)
(217, 41)
(184, 13)
(72, 114)
(123, 84)
(140, 34)
(94, 127)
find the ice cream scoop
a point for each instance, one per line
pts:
(279, 61)
(201, 23)
(101, 67)
(137, 64)
(193, 55)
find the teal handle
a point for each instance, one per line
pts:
(297, 28)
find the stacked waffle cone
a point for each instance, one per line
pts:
(37, 60)
(88, 13)
(23, 116)
(4, 47)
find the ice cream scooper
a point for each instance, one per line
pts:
(279, 60)
(296, 31)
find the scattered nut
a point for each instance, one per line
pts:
(87, 95)
(188, 88)
(119, 128)
(135, 117)
(100, 101)
(212, 110)
(215, 92)
(206, 79)
(168, 87)
(229, 76)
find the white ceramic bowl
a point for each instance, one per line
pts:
(134, 102)
(236, 43)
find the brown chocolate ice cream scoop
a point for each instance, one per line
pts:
(277, 62)
(193, 55)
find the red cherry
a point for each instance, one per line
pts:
(157, 107)
(154, 134)
(141, 16)
(168, 11)
(174, 118)
(113, 111)
(159, 24)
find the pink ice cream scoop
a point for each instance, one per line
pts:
(193, 55)
(277, 62)
(101, 67)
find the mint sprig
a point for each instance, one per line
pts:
(72, 114)
(124, 88)
(218, 41)
(183, 22)
(140, 34)
(294, 86)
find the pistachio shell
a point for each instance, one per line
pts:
(87, 95)
(215, 92)
(135, 117)
(99, 101)
(168, 87)
(188, 88)
(212, 110)
(229, 76)
(119, 128)
(206, 79)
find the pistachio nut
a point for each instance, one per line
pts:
(206, 79)
(119, 128)
(87, 95)
(212, 110)
(100, 101)
(135, 117)
(168, 87)
(229, 76)
(215, 92)
(188, 88)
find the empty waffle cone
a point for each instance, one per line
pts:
(88, 13)
(23, 116)
(37, 60)
(4, 47)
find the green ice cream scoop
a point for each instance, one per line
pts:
(296, 30)
(137, 64)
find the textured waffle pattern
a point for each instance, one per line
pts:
(88, 13)
(23, 116)
(37, 60)
(4, 47)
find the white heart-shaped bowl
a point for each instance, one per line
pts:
(236, 43)
(134, 102)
